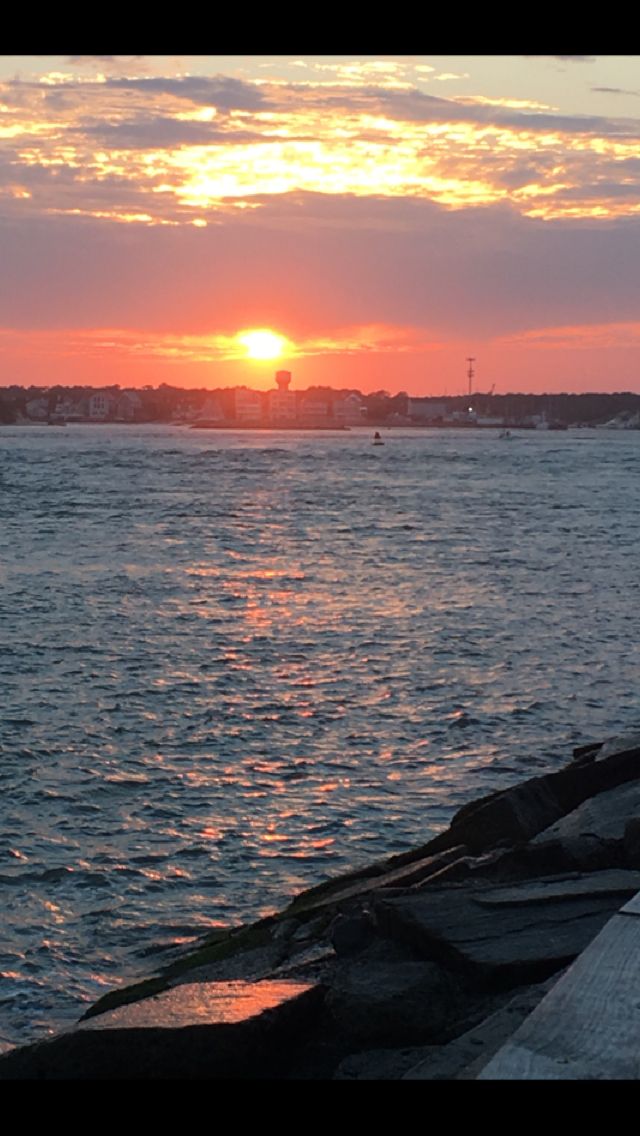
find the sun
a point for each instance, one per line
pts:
(261, 343)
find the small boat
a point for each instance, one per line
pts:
(505, 434)
(377, 440)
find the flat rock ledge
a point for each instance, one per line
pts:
(419, 967)
(197, 1030)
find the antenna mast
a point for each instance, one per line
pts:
(470, 360)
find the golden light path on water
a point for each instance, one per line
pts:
(243, 662)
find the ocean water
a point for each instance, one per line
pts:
(233, 664)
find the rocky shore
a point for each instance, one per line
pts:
(417, 967)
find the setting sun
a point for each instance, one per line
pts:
(261, 343)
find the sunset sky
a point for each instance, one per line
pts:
(387, 216)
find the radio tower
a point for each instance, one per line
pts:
(470, 360)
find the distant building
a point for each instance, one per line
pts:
(422, 410)
(248, 406)
(211, 410)
(37, 409)
(128, 406)
(314, 410)
(70, 409)
(102, 405)
(465, 417)
(281, 402)
(349, 410)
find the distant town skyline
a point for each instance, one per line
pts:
(365, 222)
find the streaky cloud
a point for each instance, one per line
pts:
(221, 91)
(616, 91)
(163, 131)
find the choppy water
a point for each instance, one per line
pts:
(233, 664)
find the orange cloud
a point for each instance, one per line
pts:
(580, 337)
(187, 149)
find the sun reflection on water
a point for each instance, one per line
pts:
(307, 662)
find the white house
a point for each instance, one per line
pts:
(102, 405)
(37, 409)
(349, 410)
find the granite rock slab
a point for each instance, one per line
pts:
(596, 824)
(515, 933)
(196, 1031)
(377, 999)
(519, 813)
(619, 743)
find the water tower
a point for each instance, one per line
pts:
(281, 401)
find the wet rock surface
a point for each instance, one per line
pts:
(417, 967)
(201, 1030)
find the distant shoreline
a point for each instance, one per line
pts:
(266, 428)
